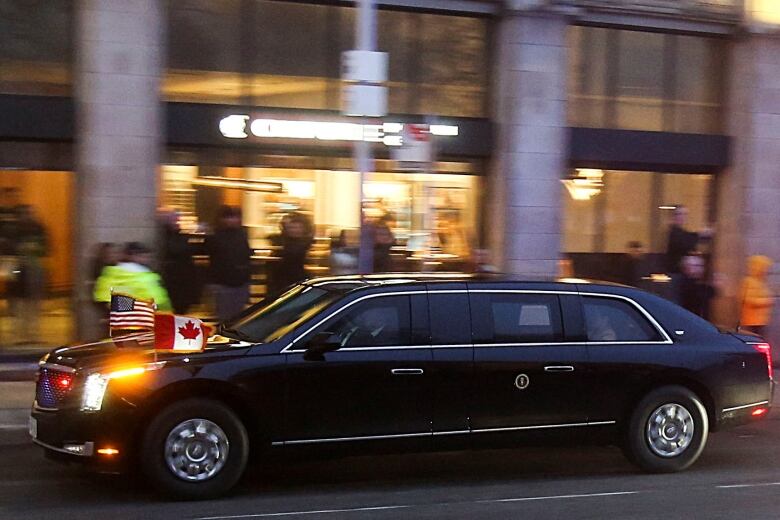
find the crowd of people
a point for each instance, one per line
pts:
(692, 283)
(133, 268)
(129, 269)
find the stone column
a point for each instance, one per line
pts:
(118, 131)
(748, 210)
(524, 187)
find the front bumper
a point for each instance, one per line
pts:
(75, 436)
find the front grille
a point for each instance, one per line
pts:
(51, 390)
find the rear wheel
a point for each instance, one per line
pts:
(195, 449)
(667, 430)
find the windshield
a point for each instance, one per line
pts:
(274, 318)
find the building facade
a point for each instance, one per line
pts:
(567, 129)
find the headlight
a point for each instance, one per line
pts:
(94, 390)
(97, 383)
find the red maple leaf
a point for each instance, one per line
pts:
(189, 331)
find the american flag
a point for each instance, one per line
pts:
(127, 313)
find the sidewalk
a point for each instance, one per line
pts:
(16, 398)
(55, 328)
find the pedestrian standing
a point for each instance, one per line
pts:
(293, 244)
(230, 261)
(696, 293)
(178, 267)
(634, 266)
(106, 253)
(133, 277)
(384, 240)
(680, 243)
(757, 299)
(29, 284)
(344, 253)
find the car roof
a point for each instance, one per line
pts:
(348, 283)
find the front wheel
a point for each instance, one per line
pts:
(667, 430)
(195, 449)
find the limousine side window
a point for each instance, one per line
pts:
(516, 318)
(610, 319)
(375, 322)
(450, 320)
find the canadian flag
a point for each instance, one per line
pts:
(180, 333)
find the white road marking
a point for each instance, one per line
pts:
(293, 513)
(381, 508)
(557, 497)
(734, 486)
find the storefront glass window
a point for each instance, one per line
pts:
(36, 258)
(36, 47)
(396, 36)
(588, 77)
(287, 54)
(698, 84)
(291, 60)
(204, 51)
(764, 11)
(645, 81)
(427, 211)
(629, 207)
(452, 66)
(640, 78)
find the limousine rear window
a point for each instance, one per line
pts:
(609, 319)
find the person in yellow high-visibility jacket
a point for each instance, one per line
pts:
(133, 278)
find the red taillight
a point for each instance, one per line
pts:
(64, 382)
(767, 351)
(759, 411)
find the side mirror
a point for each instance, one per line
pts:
(319, 344)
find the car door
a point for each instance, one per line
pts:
(375, 385)
(525, 373)
(453, 357)
(626, 349)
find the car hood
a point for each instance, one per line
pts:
(132, 349)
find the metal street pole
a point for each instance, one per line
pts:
(366, 41)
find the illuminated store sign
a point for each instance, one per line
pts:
(240, 126)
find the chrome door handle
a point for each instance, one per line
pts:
(407, 371)
(559, 368)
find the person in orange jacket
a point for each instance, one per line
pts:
(757, 299)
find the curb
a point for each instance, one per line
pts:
(18, 371)
(22, 355)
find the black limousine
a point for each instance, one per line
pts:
(405, 362)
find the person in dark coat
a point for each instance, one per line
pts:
(230, 263)
(634, 265)
(695, 292)
(293, 244)
(681, 243)
(384, 240)
(178, 267)
(27, 289)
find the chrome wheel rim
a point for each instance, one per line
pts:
(196, 450)
(669, 430)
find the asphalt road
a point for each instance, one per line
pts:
(737, 477)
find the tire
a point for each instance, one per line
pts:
(667, 430)
(202, 436)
